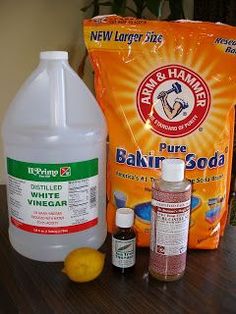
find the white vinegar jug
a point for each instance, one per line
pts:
(55, 149)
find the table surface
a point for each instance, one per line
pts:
(208, 286)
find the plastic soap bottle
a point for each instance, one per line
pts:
(171, 199)
(54, 137)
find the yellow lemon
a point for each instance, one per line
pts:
(84, 264)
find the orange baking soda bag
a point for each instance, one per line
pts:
(168, 90)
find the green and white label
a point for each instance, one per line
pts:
(123, 252)
(53, 198)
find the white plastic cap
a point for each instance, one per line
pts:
(172, 170)
(54, 55)
(124, 217)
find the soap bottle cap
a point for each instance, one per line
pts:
(172, 170)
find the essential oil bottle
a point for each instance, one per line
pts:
(171, 198)
(124, 241)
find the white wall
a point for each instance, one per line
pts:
(26, 28)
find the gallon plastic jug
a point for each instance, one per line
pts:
(55, 149)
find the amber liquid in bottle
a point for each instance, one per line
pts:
(169, 230)
(124, 241)
(125, 237)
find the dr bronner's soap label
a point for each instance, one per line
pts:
(169, 236)
(53, 198)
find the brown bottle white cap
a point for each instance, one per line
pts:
(124, 217)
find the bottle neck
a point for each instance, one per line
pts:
(55, 69)
(53, 62)
(177, 186)
(122, 229)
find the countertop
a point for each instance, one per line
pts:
(208, 286)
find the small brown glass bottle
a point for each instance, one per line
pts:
(124, 241)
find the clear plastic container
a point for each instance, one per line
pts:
(53, 120)
(170, 222)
